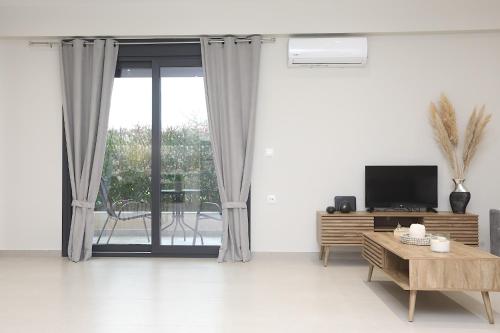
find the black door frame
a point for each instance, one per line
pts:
(157, 56)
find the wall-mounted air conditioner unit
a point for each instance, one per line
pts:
(327, 52)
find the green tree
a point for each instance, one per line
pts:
(185, 152)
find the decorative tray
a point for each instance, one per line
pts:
(407, 239)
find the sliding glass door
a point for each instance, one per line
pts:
(123, 208)
(159, 189)
(191, 212)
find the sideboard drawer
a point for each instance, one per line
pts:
(463, 229)
(352, 235)
(342, 229)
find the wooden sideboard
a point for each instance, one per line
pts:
(346, 229)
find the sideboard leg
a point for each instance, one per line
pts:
(325, 256)
(321, 252)
(487, 305)
(370, 272)
(411, 307)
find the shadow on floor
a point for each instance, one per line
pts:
(431, 306)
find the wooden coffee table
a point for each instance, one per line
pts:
(415, 268)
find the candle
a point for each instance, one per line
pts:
(440, 244)
(417, 231)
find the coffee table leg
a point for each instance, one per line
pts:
(325, 256)
(411, 307)
(487, 305)
(370, 272)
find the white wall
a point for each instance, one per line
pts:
(324, 124)
(31, 155)
(195, 17)
(327, 124)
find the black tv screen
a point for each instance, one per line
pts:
(401, 186)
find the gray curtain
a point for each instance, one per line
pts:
(87, 78)
(231, 74)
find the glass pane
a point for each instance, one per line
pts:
(123, 207)
(191, 212)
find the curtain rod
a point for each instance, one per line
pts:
(212, 40)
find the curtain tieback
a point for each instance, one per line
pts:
(234, 204)
(83, 204)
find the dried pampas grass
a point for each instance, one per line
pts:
(449, 119)
(442, 137)
(444, 123)
(474, 134)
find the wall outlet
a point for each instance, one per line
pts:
(271, 198)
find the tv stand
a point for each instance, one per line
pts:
(346, 229)
(431, 210)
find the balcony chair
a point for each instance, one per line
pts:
(115, 210)
(201, 215)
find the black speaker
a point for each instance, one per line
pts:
(345, 204)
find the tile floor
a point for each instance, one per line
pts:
(276, 292)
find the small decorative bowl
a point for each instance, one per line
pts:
(424, 241)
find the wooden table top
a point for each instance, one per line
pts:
(396, 214)
(409, 252)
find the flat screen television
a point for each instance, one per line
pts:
(412, 186)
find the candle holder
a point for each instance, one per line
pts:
(440, 242)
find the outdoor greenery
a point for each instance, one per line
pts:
(186, 161)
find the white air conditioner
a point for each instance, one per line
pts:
(327, 52)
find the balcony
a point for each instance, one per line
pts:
(133, 231)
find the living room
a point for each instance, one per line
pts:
(316, 129)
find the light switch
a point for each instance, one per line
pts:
(271, 198)
(269, 152)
